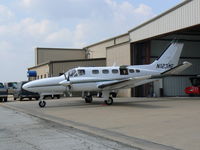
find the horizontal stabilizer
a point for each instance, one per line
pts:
(176, 70)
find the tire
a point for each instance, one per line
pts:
(109, 101)
(20, 98)
(88, 99)
(192, 95)
(114, 94)
(58, 96)
(15, 99)
(30, 98)
(37, 98)
(5, 99)
(42, 104)
(1, 99)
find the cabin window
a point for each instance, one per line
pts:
(105, 71)
(137, 70)
(115, 71)
(95, 71)
(131, 70)
(81, 72)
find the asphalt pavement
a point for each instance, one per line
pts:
(19, 131)
(146, 123)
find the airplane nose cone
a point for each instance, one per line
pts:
(25, 86)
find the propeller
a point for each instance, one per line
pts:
(67, 84)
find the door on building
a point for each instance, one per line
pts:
(140, 55)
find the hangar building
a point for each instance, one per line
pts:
(144, 43)
(51, 62)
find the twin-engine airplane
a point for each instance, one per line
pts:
(109, 79)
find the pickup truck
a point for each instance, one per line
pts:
(20, 93)
(3, 93)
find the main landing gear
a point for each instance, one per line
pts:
(107, 96)
(109, 101)
(88, 99)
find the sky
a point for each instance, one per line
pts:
(27, 24)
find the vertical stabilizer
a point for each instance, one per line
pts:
(169, 58)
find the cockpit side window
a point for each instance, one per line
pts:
(72, 73)
(81, 72)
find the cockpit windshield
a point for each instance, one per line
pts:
(75, 72)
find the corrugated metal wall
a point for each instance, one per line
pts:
(174, 86)
(181, 17)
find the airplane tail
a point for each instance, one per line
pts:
(169, 58)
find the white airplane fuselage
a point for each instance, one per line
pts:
(87, 82)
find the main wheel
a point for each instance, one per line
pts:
(42, 104)
(88, 99)
(109, 101)
(5, 99)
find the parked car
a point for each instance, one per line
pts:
(20, 93)
(11, 87)
(3, 93)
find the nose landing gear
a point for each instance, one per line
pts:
(42, 103)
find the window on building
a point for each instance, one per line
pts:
(95, 71)
(41, 76)
(137, 70)
(45, 75)
(105, 71)
(131, 70)
(115, 71)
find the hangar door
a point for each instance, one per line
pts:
(175, 85)
(140, 55)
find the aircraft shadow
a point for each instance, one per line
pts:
(94, 104)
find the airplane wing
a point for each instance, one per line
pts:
(124, 83)
(136, 81)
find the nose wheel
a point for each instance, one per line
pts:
(42, 104)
